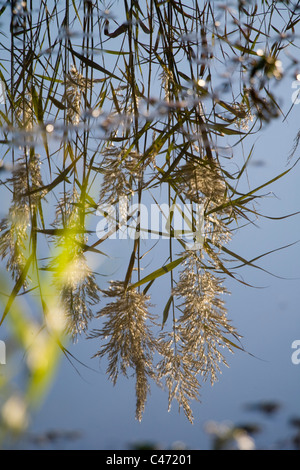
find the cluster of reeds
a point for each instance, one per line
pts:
(137, 100)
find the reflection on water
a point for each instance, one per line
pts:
(151, 103)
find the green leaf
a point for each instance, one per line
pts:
(159, 272)
(57, 103)
(94, 65)
(167, 310)
(37, 105)
(224, 129)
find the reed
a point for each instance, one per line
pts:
(137, 100)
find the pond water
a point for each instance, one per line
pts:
(261, 386)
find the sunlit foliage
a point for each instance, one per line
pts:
(114, 103)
